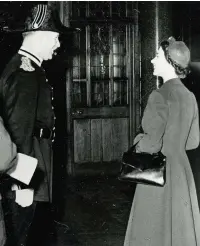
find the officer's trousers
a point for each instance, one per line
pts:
(18, 221)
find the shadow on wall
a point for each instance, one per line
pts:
(192, 82)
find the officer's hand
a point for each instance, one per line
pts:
(24, 197)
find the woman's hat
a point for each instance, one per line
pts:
(178, 52)
(42, 17)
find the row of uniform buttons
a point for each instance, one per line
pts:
(52, 98)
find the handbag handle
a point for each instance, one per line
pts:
(132, 148)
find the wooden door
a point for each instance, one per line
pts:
(103, 87)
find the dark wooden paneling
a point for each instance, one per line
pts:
(104, 112)
(114, 138)
(107, 139)
(82, 141)
(96, 140)
(119, 137)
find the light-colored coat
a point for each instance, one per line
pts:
(8, 153)
(169, 215)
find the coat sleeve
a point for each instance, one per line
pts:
(21, 101)
(193, 137)
(8, 149)
(153, 123)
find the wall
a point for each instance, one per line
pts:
(155, 24)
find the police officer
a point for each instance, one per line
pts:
(28, 115)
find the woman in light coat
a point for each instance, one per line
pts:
(169, 215)
(8, 154)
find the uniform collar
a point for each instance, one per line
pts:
(23, 51)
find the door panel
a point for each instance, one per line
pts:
(115, 138)
(82, 141)
(107, 140)
(96, 140)
(119, 137)
(100, 140)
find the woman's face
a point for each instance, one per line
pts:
(160, 64)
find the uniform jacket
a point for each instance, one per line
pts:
(26, 99)
(169, 215)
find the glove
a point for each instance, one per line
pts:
(24, 197)
(138, 138)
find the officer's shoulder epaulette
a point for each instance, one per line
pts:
(26, 64)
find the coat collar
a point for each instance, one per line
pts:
(22, 51)
(169, 82)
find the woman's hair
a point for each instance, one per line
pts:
(180, 71)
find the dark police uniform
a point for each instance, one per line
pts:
(26, 99)
(27, 111)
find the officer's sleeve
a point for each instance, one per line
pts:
(21, 92)
(153, 123)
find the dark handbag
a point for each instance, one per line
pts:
(143, 168)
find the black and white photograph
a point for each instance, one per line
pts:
(99, 123)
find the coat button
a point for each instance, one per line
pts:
(46, 80)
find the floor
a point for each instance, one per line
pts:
(90, 210)
(93, 211)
